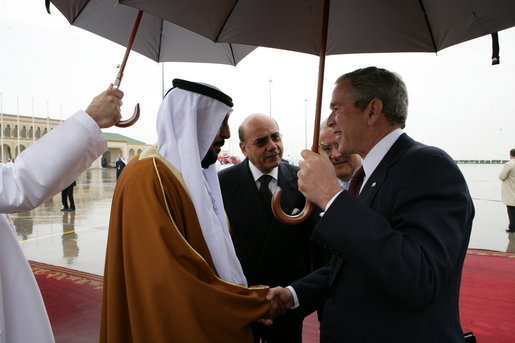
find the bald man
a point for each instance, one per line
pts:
(271, 253)
(344, 164)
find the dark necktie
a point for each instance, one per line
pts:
(264, 190)
(356, 181)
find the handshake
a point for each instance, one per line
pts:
(281, 300)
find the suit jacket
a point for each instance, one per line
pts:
(271, 253)
(399, 252)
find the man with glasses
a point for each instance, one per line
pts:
(344, 164)
(271, 253)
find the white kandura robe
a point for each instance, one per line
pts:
(39, 172)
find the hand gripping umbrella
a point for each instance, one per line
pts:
(150, 35)
(336, 27)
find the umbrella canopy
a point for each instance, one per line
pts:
(336, 27)
(157, 39)
(364, 26)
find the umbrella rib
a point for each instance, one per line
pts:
(225, 22)
(232, 55)
(79, 12)
(160, 41)
(428, 24)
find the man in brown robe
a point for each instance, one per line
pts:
(171, 273)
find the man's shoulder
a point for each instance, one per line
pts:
(417, 150)
(289, 167)
(231, 171)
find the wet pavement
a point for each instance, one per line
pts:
(78, 239)
(75, 239)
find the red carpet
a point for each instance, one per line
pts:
(73, 300)
(487, 301)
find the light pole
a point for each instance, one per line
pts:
(18, 124)
(305, 123)
(162, 80)
(2, 126)
(270, 96)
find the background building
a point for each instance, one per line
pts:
(18, 132)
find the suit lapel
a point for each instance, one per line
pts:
(245, 191)
(375, 180)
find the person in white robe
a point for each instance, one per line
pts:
(39, 172)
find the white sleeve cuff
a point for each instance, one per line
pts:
(295, 298)
(331, 201)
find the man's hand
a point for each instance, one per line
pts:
(281, 301)
(317, 178)
(105, 107)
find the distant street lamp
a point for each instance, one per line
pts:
(2, 126)
(305, 123)
(270, 94)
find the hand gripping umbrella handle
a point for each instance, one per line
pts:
(135, 116)
(276, 199)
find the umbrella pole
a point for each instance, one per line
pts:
(128, 50)
(321, 71)
(119, 76)
(276, 199)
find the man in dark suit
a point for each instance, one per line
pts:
(345, 165)
(271, 253)
(400, 243)
(120, 164)
(67, 195)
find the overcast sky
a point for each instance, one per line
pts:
(458, 100)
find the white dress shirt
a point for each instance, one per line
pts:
(256, 174)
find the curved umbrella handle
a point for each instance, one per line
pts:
(286, 218)
(131, 120)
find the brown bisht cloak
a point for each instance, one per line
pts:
(160, 284)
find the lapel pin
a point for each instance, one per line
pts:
(373, 184)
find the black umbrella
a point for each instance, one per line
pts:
(147, 34)
(336, 27)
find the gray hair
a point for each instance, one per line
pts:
(372, 82)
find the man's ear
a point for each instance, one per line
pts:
(243, 148)
(374, 111)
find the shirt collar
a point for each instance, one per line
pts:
(256, 173)
(376, 154)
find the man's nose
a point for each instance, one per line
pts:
(225, 132)
(271, 145)
(335, 153)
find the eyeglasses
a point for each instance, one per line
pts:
(263, 141)
(329, 147)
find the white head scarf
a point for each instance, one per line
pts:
(187, 124)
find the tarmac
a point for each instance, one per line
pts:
(78, 239)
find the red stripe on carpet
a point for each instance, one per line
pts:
(73, 300)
